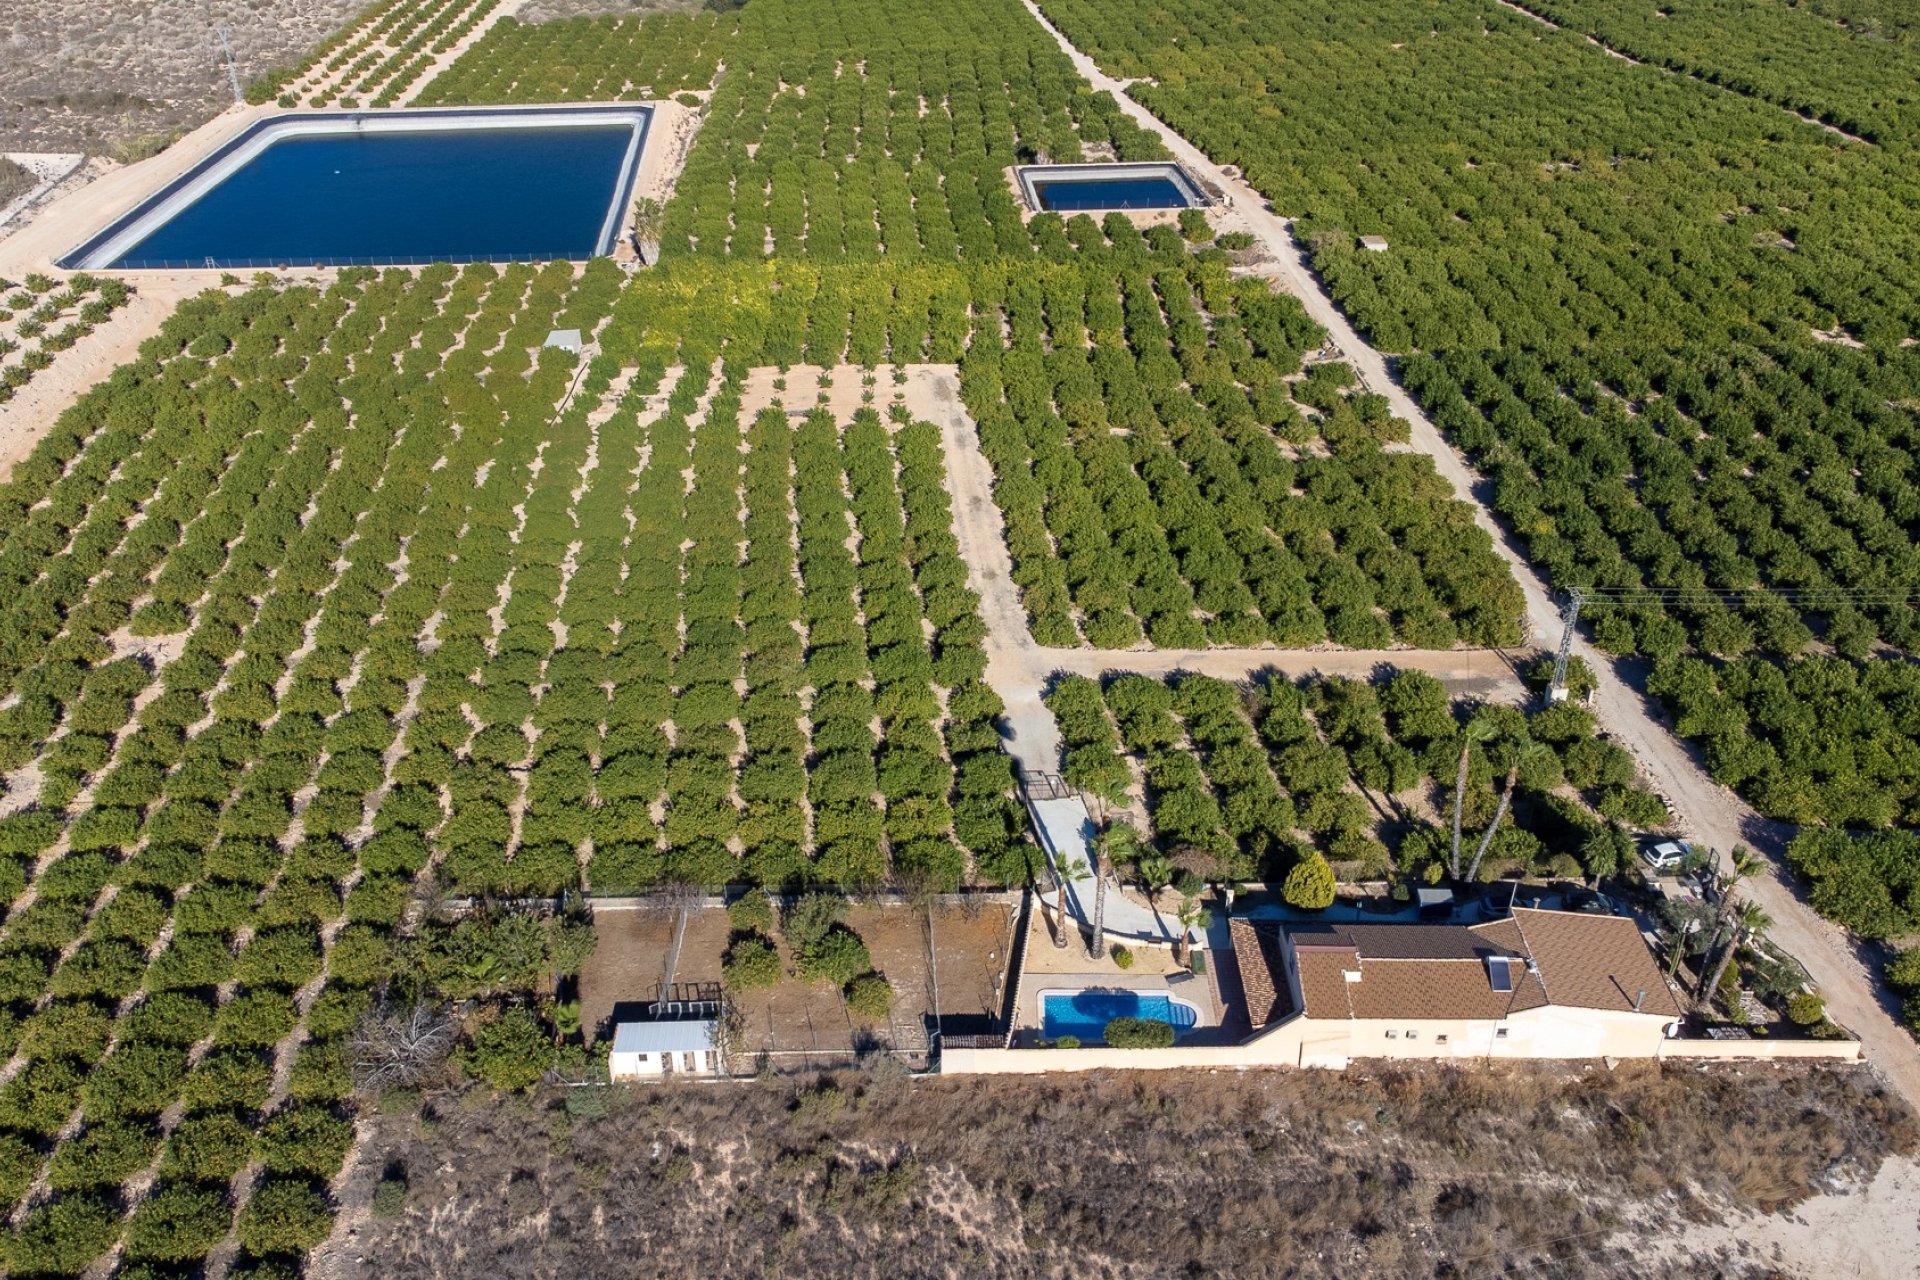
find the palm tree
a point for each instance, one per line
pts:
(1749, 922)
(648, 218)
(1095, 947)
(1476, 730)
(566, 1020)
(1741, 863)
(1065, 870)
(1192, 916)
(1118, 841)
(1527, 751)
(1156, 872)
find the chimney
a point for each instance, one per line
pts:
(1639, 998)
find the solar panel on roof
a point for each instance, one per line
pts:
(1500, 974)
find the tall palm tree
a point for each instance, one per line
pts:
(648, 218)
(1192, 916)
(1741, 863)
(1527, 751)
(1095, 947)
(1749, 922)
(1476, 730)
(1117, 841)
(1065, 871)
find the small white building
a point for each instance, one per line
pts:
(1374, 244)
(649, 1050)
(564, 340)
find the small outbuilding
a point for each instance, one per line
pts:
(1374, 244)
(649, 1050)
(565, 340)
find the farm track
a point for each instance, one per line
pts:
(1710, 813)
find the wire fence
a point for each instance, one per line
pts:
(275, 264)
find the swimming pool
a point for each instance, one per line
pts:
(1085, 1014)
(1110, 193)
(391, 188)
(1084, 188)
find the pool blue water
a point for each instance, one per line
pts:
(1111, 193)
(1085, 1014)
(454, 196)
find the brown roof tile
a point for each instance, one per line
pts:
(1594, 962)
(1263, 981)
(1444, 971)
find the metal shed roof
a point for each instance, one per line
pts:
(663, 1037)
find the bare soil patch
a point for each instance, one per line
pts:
(797, 1025)
(94, 75)
(1390, 1173)
(627, 964)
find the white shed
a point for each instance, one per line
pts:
(1374, 244)
(565, 340)
(647, 1050)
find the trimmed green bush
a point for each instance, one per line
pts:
(1138, 1033)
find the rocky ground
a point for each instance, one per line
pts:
(116, 76)
(1564, 1171)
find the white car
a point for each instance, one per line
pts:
(1665, 855)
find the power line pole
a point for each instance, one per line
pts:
(1569, 615)
(233, 72)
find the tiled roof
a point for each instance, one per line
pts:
(1450, 971)
(1262, 971)
(1594, 962)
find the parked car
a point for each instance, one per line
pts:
(1664, 855)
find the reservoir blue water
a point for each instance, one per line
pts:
(453, 196)
(1110, 193)
(1085, 1014)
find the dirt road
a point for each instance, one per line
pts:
(1711, 814)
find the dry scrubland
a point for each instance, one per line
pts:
(547, 10)
(86, 75)
(1394, 1173)
(15, 181)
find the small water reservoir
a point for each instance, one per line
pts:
(1085, 1014)
(1100, 188)
(386, 188)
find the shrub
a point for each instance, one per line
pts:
(1123, 957)
(285, 1215)
(1310, 885)
(62, 1237)
(751, 964)
(1138, 1033)
(1806, 1010)
(179, 1223)
(390, 1196)
(510, 1051)
(810, 917)
(310, 1140)
(838, 958)
(751, 912)
(870, 997)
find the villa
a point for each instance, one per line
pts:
(1537, 984)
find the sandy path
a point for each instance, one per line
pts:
(1711, 813)
(1863, 1233)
